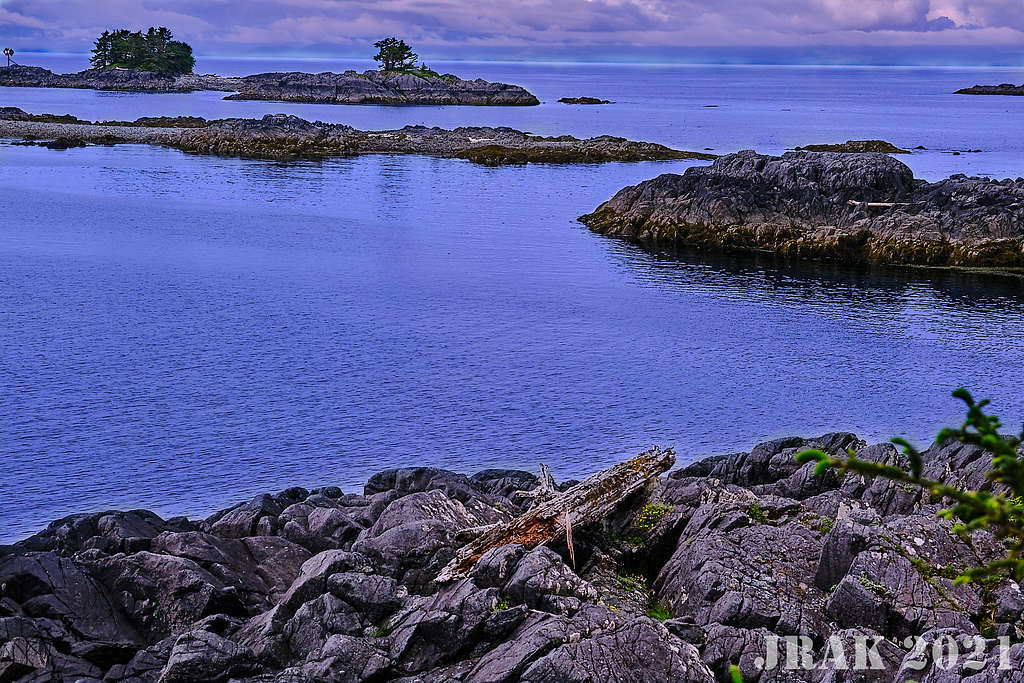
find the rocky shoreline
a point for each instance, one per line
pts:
(693, 572)
(1003, 89)
(851, 208)
(284, 137)
(350, 87)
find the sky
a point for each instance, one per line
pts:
(900, 31)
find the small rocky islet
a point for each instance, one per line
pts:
(850, 208)
(583, 100)
(350, 87)
(1001, 89)
(691, 572)
(856, 147)
(283, 137)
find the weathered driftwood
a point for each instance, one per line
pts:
(544, 490)
(590, 501)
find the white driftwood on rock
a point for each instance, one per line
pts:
(590, 501)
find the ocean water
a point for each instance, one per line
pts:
(182, 332)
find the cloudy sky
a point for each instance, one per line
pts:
(588, 29)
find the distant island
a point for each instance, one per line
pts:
(153, 62)
(583, 100)
(1002, 89)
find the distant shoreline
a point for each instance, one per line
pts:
(350, 87)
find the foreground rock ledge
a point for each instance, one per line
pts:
(350, 87)
(281, 136)
(323, 585)
(853, 208)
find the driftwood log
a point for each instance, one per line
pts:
(590, 501)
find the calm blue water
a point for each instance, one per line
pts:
(182, 332)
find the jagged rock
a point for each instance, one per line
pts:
(204, 656)
(827, 206)
(164, 594)
(775, 460)
(1009, 602)
(372, 596)
(435, 505)
(47, 586)
(847, 539)
(639, 649)
(243, 520)
(127, 597)
(727, 568)
(315, 621)
(413, 553)
(902, 582)
(542, 581)
(313, 576)
(108, 531)
(344, 659)
(841, 666)
(503, 483)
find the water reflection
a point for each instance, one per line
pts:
(181, 332)
(858, 286)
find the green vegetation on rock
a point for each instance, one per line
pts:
(999, 512)
(156, 50)
(659, 612)
(650, 516)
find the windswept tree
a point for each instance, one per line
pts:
(394, 55)
(156, 50)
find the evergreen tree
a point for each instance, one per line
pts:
(156, 50)
(394, 55)
(102, 51)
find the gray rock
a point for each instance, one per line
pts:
(204, 656)
(541, 578)
(827, 206)
(51, 587)
(637, 650)
(413, 553)
(316, 621)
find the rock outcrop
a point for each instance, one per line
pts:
(350, 87)
(710, 566)
(378, 87)
(1003, 89)
(583, 100)
(854, 208)
(857, 147)
(281, 136)
(90, 79)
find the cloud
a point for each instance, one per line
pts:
(439, 28)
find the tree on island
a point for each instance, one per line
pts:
(394, 55)
(155, 50)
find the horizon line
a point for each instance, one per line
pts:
(711, 61)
